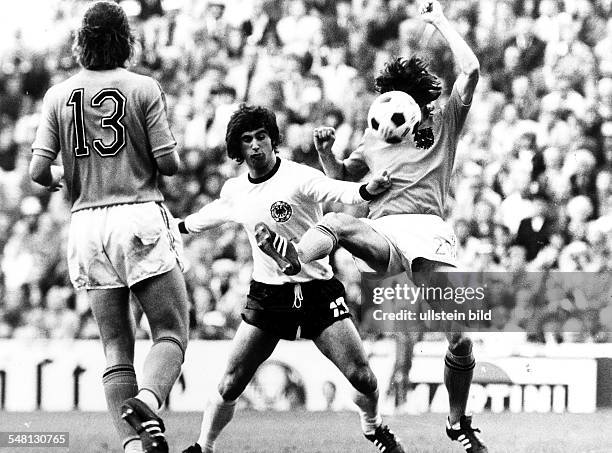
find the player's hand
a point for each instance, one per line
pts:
(431, 11)
(324, 138)
(385, 129)
(379, 184)
(57, 173)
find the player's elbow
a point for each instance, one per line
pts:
(38, 171)
(168, 164)
(473, 70)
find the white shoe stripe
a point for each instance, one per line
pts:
(150, 422)
(284, 247)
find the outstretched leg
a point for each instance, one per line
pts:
(341, 344)
(359, 238)
(250, 348)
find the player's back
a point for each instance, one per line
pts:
(110, 126)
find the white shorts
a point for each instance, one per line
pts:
(412, 236)
(121, 245)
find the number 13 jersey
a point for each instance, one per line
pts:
(110, 126)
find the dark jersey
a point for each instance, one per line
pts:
(109, 126)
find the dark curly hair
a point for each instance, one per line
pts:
(249, 118)
(410, 76)
(105, 40)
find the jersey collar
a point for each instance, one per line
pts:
(264, 178)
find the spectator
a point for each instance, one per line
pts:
(534, 232)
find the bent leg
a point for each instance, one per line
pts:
(356, 236)
(250, 348)
(341, 344)
(163, 299)
(111, 311)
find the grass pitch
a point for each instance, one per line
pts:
(327, 432)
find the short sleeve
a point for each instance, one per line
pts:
(47, 143)
(355, 164)
(158, 129)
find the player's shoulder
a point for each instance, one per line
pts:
(62, 89)
(142, 83)
(232, 186)
(299, 171)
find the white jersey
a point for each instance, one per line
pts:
(288, 200)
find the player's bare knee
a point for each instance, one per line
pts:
(336, 222)
(230, 387)
(362, 379)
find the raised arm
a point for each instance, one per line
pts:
(469, 67)
(351, 169)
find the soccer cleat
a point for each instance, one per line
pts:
(466, 435)
(384, 439)
(278, 248)
(148, 426)
(195, 448)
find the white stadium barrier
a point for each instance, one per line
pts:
(66, 375)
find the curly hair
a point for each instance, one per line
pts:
(410, 76)
(105, 40)
(249, 118)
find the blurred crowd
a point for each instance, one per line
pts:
(532, 191)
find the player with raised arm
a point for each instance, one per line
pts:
(111, 128)
(309, 304)
(405, 229)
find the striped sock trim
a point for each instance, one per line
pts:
(174, 340)
(459, 363)
(328, 232)
(124, 369)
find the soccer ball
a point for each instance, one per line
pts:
(393, 116)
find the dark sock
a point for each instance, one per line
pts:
(119, 382)
(458, 372)
(162, 367)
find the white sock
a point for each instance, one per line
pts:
(147, 397)
(316, 243)
(133, 446)
(217, 414)
(369, 416)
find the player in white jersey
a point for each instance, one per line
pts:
(309, 304)
(111, 128)
(405, 229)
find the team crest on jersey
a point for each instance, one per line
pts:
(281, 211)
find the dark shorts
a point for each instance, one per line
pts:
(277, 310)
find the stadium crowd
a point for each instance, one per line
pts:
(533, 184)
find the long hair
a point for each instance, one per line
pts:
(410, 76)
(249, 118)
(105, 40)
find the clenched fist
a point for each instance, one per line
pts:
(324, 138)
(379, 184)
